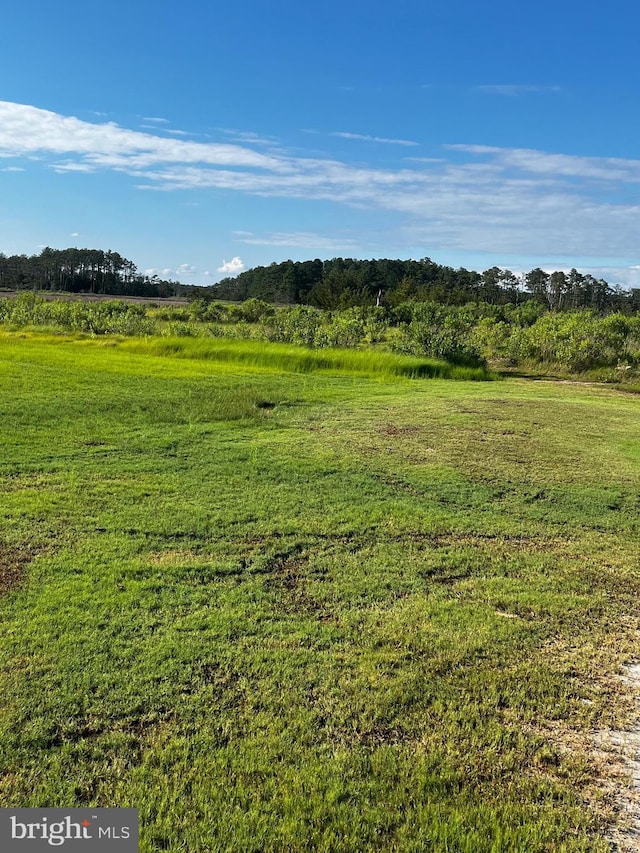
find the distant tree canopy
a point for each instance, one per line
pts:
(83, 270)
(345, 282)
(335, 284)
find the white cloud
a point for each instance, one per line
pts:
(627, 276)
(165, 130)
(425, 159)
(249, 137)
(75, 234)
(162, 273)
(610, 169)
(365, 138)
(297, 240)
(167, 272)
(476, 198)
(232, 267)
(28, 130)
(12, 169)
(154, 119)
(512, 90)
(61, 168)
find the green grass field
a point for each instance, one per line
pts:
(279, 609)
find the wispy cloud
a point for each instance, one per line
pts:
(29, 130)
(232, 267)
(512, 90)
(627, 276)
(475, 198)
(162, 273)
(70, 166)
(168, 272)
(609, 169)
(297, 240)
(247, 137)
(425, 159)
(155, 119)
(366, 138)
(169, 130)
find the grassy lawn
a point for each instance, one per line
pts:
(319, 611)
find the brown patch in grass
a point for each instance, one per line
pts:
(505, 542)
(395, 429)
(567, 753)
(13, 562)
(175, 557)
(618, 751)
(603, 754)
(290, 579)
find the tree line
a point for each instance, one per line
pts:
(334, 284)
(346, 282)
(83, 271)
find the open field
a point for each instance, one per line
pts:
(312, 611)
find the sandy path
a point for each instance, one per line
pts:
(621, 750)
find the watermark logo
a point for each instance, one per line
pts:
(73, 830)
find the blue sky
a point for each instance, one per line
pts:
(198, 139)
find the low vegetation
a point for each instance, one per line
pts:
(523, 337)
(332, 609)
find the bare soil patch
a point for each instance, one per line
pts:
(619, 751)
(12, 566)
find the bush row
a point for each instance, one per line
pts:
(471, 335)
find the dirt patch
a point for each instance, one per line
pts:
(619, 750)
(290, 582)
(395, 429)
(13, 562)
(174, 557)
(290, 579)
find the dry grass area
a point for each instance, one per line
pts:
(617, 750)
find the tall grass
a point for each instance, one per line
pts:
(294, 359)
